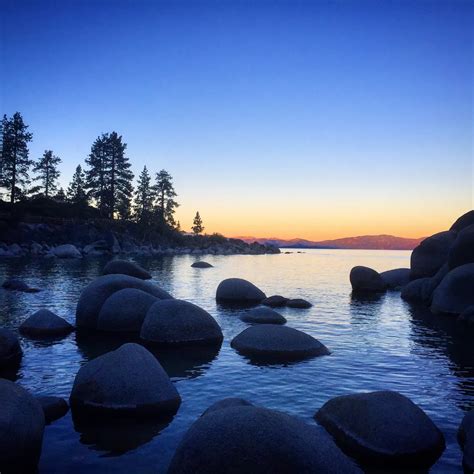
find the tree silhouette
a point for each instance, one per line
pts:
(197, 227)
(95, 175)
(48, 173)
(144, 197)
(15, 163)
(60, 195)
(165, 203)
(76, 192)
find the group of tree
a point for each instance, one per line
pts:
(106, 182)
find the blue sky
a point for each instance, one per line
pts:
(310, 119)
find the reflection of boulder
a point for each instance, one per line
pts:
(116, 435)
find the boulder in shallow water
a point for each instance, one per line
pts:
(96, 293)
(201, 265)
(366, 280)
(238, 291)
(227, 403)
(67, 251)
(125, 267)
(466, 441)
(248, 439)
(464, 221)
(13, 284)
(53, 407)
(417, 291)
(21, 429)
(178, 322)
(129, 379)
(455, 293)
(10, 349)
(45, 323)
(431, 254)
(263, 316)
(462, 250)
(382, 429)
(125, 311)
(275, 342)
(299, 303)
(275, 301)
(397, 278)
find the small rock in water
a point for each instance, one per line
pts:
(10, 349)
(125, 267)
(275, 301)
(53, 407)
(298, 303)
(201, 265)
(45, 323)
(263, 316)
(365, 279)
(382, 429)
(14, 284)
(238, 291)
(67, 251)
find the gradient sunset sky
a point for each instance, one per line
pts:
(290, 119)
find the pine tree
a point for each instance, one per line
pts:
(15, 163)
(95, 175)
(197, 227)
(60, 195)
(165, 205)
(144, 197)
(48, 173)
(76, 192)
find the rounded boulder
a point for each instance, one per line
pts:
(201, 265)
(129, 379)
(276, 342)
(397, 278)
(298, 303)
(238, 291)
(125, 311)
(45, 323)
(178, 322)
(464, 221)
(125, 267)
(365, 279)
(67, 251)
(10, 349)
(417, 291)
(53, 407)
(462, 250)
(263, 316)
(382, 429)
(275, 301)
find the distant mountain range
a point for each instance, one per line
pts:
(372, 242)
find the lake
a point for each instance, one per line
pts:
(376, 343)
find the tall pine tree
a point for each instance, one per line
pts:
(144, 197)
(95, 174)
(15, 162)
(76, 192)
(48, 173)
(197, 227)
(165, 204)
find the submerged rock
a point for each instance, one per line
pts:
(248, 439)
(298, 303)
(170, 322)
(227, 403)
(365, 279)
(397, 278)
(455, 293)
(466, 440)
(125, 311)
(14, 284)
(129, 379)
(10, 349)
(67, 251)
(382, 429)
(275, 301)
(45, 323)
(276, 342)
(238, 291)
(462, 250)
(96, 293)
(263, 316)
(125, 267)
(21, 429)
(201, 265)
(53, 407)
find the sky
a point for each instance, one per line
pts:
(276, 119)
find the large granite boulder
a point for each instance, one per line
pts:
(455, 293)
(466, 440)
(10, 349)
(397, 278)
(275, 301)
(365, 279)
(238, 291)
(125, 267)
(263, 316)
(98, 291)
(21, 429)
(248, 439)
(382, 429)
(125, 311)
(53, 407)
(276, 342)
(129, 379)
(431, 254)
(462, 250)
(464, 221)
(45, 323)
(417, 291)
(177, 322)
(67, 251)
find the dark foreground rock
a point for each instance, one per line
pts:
(275, 301)
(366, 280)
(53, 407)
(276, 342)
(14, 284)
(298, 303)
(238, 291)
(125, 311)
(382, 429)
(247, 439)
(10, 349)
(96, 293)
(263, 316)
(125, 267)
(21, 429)
(417, 291)
(177, 322)
(397, 278)
(201, 265)
(455, 293)
(462, 250)
(127, 380)
(45, 323)
(466, 440)
(464, 221)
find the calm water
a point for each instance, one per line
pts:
(381, 343)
